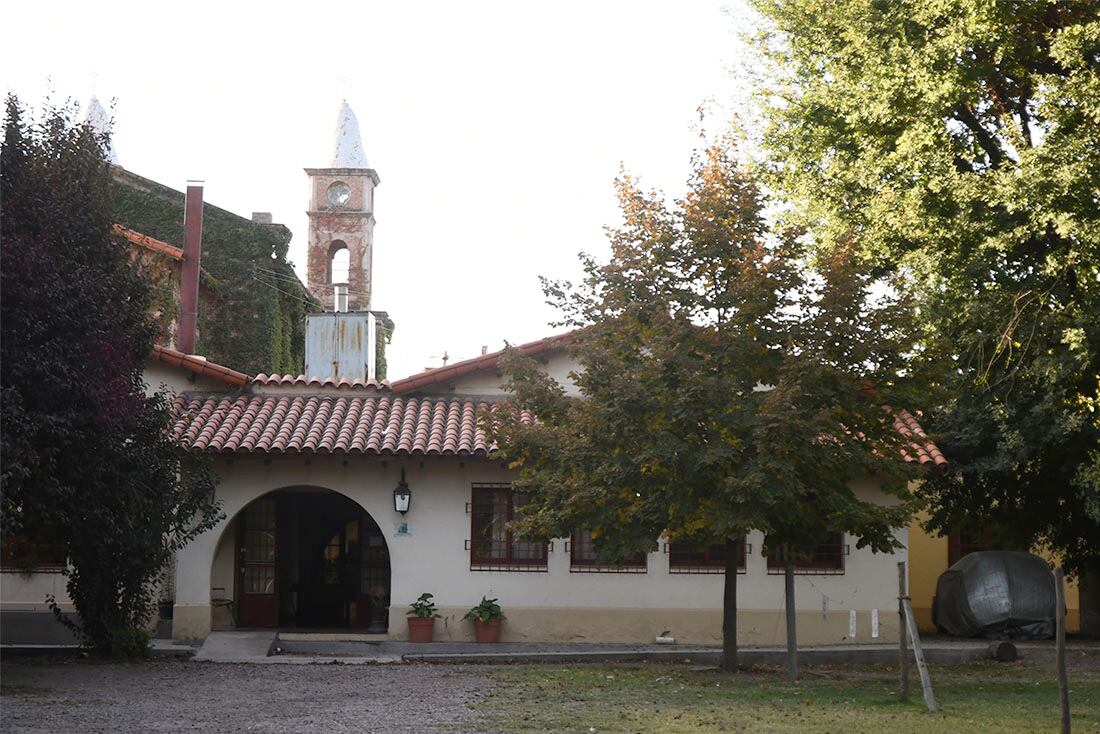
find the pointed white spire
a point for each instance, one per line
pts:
(96, 117)
(349, 146)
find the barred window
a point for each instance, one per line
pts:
(961, 543)
(22, 552)
(685, 556)
(583, 558)
(492, 544)
(827, 557)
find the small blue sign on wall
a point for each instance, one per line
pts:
(401, 529)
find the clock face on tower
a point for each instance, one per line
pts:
(339, 193)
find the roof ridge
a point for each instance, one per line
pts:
(484, 361)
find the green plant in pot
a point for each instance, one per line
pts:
(487, 616)
(421, 619)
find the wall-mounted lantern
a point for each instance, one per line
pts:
(401, 495)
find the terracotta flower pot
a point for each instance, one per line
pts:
(487, 631)
(420, 629)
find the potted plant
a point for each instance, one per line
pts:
(486, 615)
(422, 618)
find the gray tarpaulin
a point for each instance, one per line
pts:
(996, 594)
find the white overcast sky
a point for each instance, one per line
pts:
(496, 128)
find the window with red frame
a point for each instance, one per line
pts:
(828, 557)
(23, 552)
(684, 556)
(582, 557)
(961, 543)
(492, 543)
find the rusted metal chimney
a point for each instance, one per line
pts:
(189, 272)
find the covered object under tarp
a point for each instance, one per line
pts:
(996, 594)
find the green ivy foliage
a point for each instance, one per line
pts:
(385, 334)
(256, 322)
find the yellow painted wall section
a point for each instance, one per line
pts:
(928, 559)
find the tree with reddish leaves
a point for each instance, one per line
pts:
(86, 460)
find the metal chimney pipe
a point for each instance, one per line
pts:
(189, 272)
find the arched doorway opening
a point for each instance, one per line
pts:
(310, 558)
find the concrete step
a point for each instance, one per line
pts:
(237, 647)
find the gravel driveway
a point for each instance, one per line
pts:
(173, 696)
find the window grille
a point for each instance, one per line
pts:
(492, 545)
(583, 557)
(686, 557)
(827, 559)
(961, 543)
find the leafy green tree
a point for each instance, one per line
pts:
(961, 140)
(675, 433)
(86, 460)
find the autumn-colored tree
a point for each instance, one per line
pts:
(724, 388)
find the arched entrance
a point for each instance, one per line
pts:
(310, 558)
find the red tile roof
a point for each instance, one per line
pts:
(149, 243)
(199, 366)
(485, 361)
(303, 381)
(926, 451)
(370, 424)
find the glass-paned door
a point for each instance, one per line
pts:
(258, 588)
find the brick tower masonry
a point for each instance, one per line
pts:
(341, 217)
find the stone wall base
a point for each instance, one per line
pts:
(191, 621)
(641, 626)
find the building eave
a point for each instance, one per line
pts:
(199, 366)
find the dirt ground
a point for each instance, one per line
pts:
(176, 696)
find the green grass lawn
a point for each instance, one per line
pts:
(983, 697)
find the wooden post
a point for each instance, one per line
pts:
(788, 596)
(925, 679)
(903, 650)
(1060, 644)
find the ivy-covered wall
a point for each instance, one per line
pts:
(256, 321)
(382, 340)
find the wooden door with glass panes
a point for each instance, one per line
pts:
(258, 584)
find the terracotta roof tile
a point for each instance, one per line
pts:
(378, 423)
(926, 451)
(149, 243)
(366, 424)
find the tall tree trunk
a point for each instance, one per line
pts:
(1088, 583)
(788, 603)
(729, 609)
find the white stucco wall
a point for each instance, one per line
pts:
(29, 591)
(489, 382)
(434, 559)
(159, 375)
